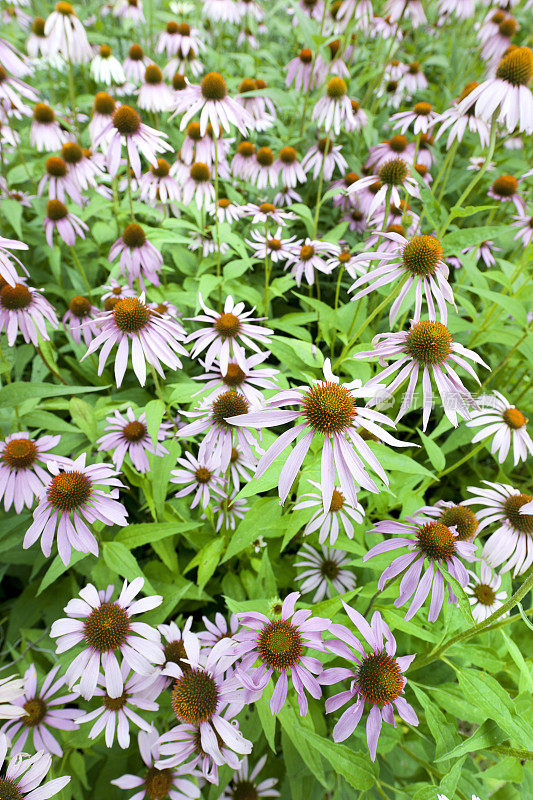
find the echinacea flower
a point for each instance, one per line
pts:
(505, 423)
(135, 63)
(68, 225)
(46, 132)
(79, 319)
(103, 108)
(429, 348)
(21, 475)
(422, 118)
(306, 257)
(128, 435)
(393, 175)
(263, 168)
(456, 121)
(219, 629)
(511, 544)
(139, 259)
(65, 35)
(331, 413)
(321, 569)
(505, 189)
(211, 99)
(428, 540)
(106, 68)
(8, 272)
(304, 70)
(421, 260)
(198, 185)
(229, 510)
(60, 183)
(155, 783)
(201, 476)
(74, 495)
(154, 95)
(324, 156)
(453, 515)
(105, 626)
(330, 521)
(159, 185)
(40, 712)
(10, 688)
(154, 338)
(334, 109)
(280, 645)
(289, 169)
(485, 593)
(24, 774)
(244, 377)
(24, 310)
(116, 713)
(227, 333)
(244, 785)
(125, 127)
(377, 679)
(524, 224)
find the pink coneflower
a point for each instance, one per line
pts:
(46, 133)
(14, 92)
(221, 436)
(240, 468)
(154, 95)
(287, 197)
(217, 630)
(411, 10)
(105, 626)
(68, 225)
(497, 43)
(373, 190)
(135, 64)
(24, 774)
(329, 521)
(288, 167)
(262, 213)
(243, 162)
(211, 99)
(511, 543)
(331, 413)
(66, 35)
(116, 713)
(324, 156)
(128, 435)
(225, 210)
(395, 147)
(334, 110)
(61, 183)
(279, 645)
(125, 127)
(179, 36)
(524, 223)
(485, 593)
(303, 71)
(159, 185)
(228, 333)
(413, 79)
(272, 245)
(505, 189)
(198, 185)
(201, 476)
(154, 338)
(424, 539)
(41, 712)
(22, 478)
(155, 782)
(306, 257)
(321, 570)
(24, 310)
(378, 678)
(358, 120)
(114, 292)
(203, 689)
(263, 169)
(129, 9)
(243, 376)
(79, 319)
(422, 118)
(419, 259)
(10, 688)
(427, 347)
(244, 784)
(452, 515)
(256, 106)
(199, 147)
(102, 114)
(506, 94)
(221, 10)
(228, 511)
(139, 260)
(456, 121)
(505, 423)
(106, 68)
(73, 496)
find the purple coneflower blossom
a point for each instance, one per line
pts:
(157, 783)
(128, 435)
(24, 774)
(201, 475)
(305, 70)
(524, 224)
(511, 543)
(391, 177)
(65, 35)
(321, 569)
(241, 469)
(79, 319)
(198, 185)
(330, 521)
(24, 310)
(125, 127)
(505, 189)
(453, 515)
(105, 626)
(428, 348)
(424, 539)
(484, 252)
(106, 68)
(116, 713)
(10, 689)
(8, 272)
(306, 257)
(22, 477)
(506, 94)
(114, 292)
(456, 121)
(46, 133)
(41, 711)
(211, 99)
(334, 110)
(242, 376)
(103, 108)
(135, 63)
(61, 184)
(324, 156)
(227, 333)
(421, 117)
(331, 413)
(159, 185)
(139, 259)
(71, 498)
(59, 218)
(378, 678)
(217, 630)
(279, 646)
(395, 147)
(179, 37)
(485, 593)
(229, 510)
(83, 165)
(421, 261)
(243, 783)
(129, 9)
(225, 210)
(359, 118)
(154, 338)
(411, 10)
(288, 168)
(505, 423)
(154, 95)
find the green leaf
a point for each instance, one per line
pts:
(266, 717)
(84, 417)
(207, 560)
(442, 731)
(486, 735)
(310, 756)
(119, 559)
(518, 658)
(391, 460)
(328, 608)
(435, 454)
(462, 597)
(148, 532)
(18, 392)
(57, 568)
(155, 411)
(469, 237)
(261, 517)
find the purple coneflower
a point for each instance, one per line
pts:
(270, 244)
(103, 108)
(485, 593)
(324, 156)
(505, 189)
(243, 377)
(128, 435)
(391, 177)
(304, 70)
(505, 423)
(229, 510)
(46, 133)
(8, 271)
(524, 223)
(340, 515)
(198, 185)
(10, 688)
(395, 147)
(159, 185)
(66, 35)
(68, 225)
(378, 678)
(512, 541)
(125, 127)
(334, 110)
(79, 319)
(244, 784)
(289, 169)
(201, 476)
(421, 117)
(154, 95)
(24, 774)
(22, 477)
(321, 569)
(41, 711)
(24, 310)
(139, 259)
(106, 68)
(61, 184)
(279, 645)
(211, 99)
(456, 121)
(306, 257)
(135, 63)
(424, 539)
(453, 515)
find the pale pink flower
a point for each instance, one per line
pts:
(201, 476)
(324, 156)
(270, 244)
(24, 774)
(61, 183)
(321, 570)
(139, 259)
(289, 169)
(46, 133)
(505, 189)
(79, 320)
(135, 64)
(505, 423)
(263, 169)
(245, 781)
(128, 435)
(211, 99)
(198, 186)
(422, 118)
(228, 511)
(306, 257)
(334, 110)
(22, 478)
(392, 176)
(485, 593)
(106, 68)
(456, 121)
(68, 225)
(24, 310)
(244, 377)
(305, 70)
(159, 185)
(125, 128)
(154, 95)
(330, 521)
(524, 223)
(411, 10)
(65, 35)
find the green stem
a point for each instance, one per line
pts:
(82, 272)
(130, 196)
(219, 271)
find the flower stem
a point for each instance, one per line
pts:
(82, 272)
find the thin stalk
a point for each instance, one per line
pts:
(82, 272)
